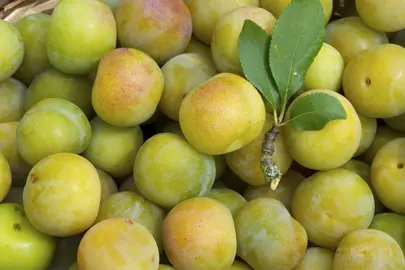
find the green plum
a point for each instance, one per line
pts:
(196, 46)
(108, 185)
(237, 265)
(11, 51)
(316, 258)
(128, 185)
(397, 123)
(165, 267)
(368, 131)
(392, 224)
(230, 198)
(12, 95)
(5, 177)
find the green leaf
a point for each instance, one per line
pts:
(314, 111)
(297, 37)
(253, 50)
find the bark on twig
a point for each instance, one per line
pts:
(271, 172)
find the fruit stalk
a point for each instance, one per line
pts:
(271, 171)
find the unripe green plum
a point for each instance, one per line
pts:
(33, 29)
(52, 125)
(199, 234)
(368, 249)
(397, 123)
(225, 37)
(284, 192)
(133, 206)
(374, 91)
(12, 95)
(196, 46)
(5, 177)
(23, 247)
(169, 160)
(113, 149)
(128, 87)
(368, 131)
(387, 16)
(182, 74)
(108, 185)
(230, 198)
(351, 36)
(392, 224)
(12, 50)
(55, 84)
(165, 267)
(241, 120)
(268, 236)
(163, 31)
(316, 258)
(237, 265)
(326, 71)
(62, 181)
(206, 14)
(81, 32)
(331, 204)
(387, 172)
(330, 147)
(14, 195)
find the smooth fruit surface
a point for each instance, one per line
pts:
(237, 265)
(5, 177)
(230, 198)
(107, 184)
(12, 95)
(316, 258)
(368, 131)
(12, 50)
(396, 122)
(392, 224)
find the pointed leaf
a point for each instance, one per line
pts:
(253, 49)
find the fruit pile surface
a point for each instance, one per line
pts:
(203, 135)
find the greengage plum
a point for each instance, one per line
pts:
(5, 177)
(230, 198)
(128, 185)
(316, 258)
(397, 123)
(108, 185)
(12, 50)
(12, 95)
(237, 265)
(196, 46)
(368, 131)
(392, 224)
(331, 204)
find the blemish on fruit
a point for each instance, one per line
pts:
(368, 81)
(129, 222)
(17, 227)
(400, 166)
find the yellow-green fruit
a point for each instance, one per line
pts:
(351, 36)
(14, 195)
(128, 87)
(108, 185)
(230, 198)
(368, 131)
(199, 234)
(373, 81)
(396, 123)
(8, 147)
(12, 95)
(225, 37)
(387, 16)
(55, 84)
(284, 192)
(118, 244)
(62, 181)
(276, 7)
(113, 149)
(239, 266)
(220, 166)
(331, 204)
(5, 177)
(51, 126)
(245, 162)
(168, 160)
(196, 46)
(163, 31)
(129, 185)
(182, 74)
(316, 258)
(77, 39)
(127, 204)
(364, 171)
(326, 71)
(387, 172)
(240, 121)
(12, 50)
(330, 147)
(368, 249)
(268, 237)
(33, 29)
(392, 224)
(206, 14)
(165, 267)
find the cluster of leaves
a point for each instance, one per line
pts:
(276, 65)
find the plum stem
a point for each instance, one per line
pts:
(271, 172)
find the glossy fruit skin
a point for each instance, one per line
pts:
(330, 147)
(33, 29)
(368, 249)
(372, 82)
(23, 247)
(128, 87)
(387, 174)
(225, 37)
(368, 131)
(192, 173)
(351, 36)
(108, 185)
(331, 204)
(113, 149)
(163, 31)
(182, 74)
(76, 44)
(51, 187)
(396, 122)
(118, 244)
(12, 95)
(52, 126)
(282, 242)
(392, 224)
(385, 17)
(316, 258)
(230, 198)
(5, 177)
(206, 14)
(241, 120)
(191, 245)
(12, 51)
